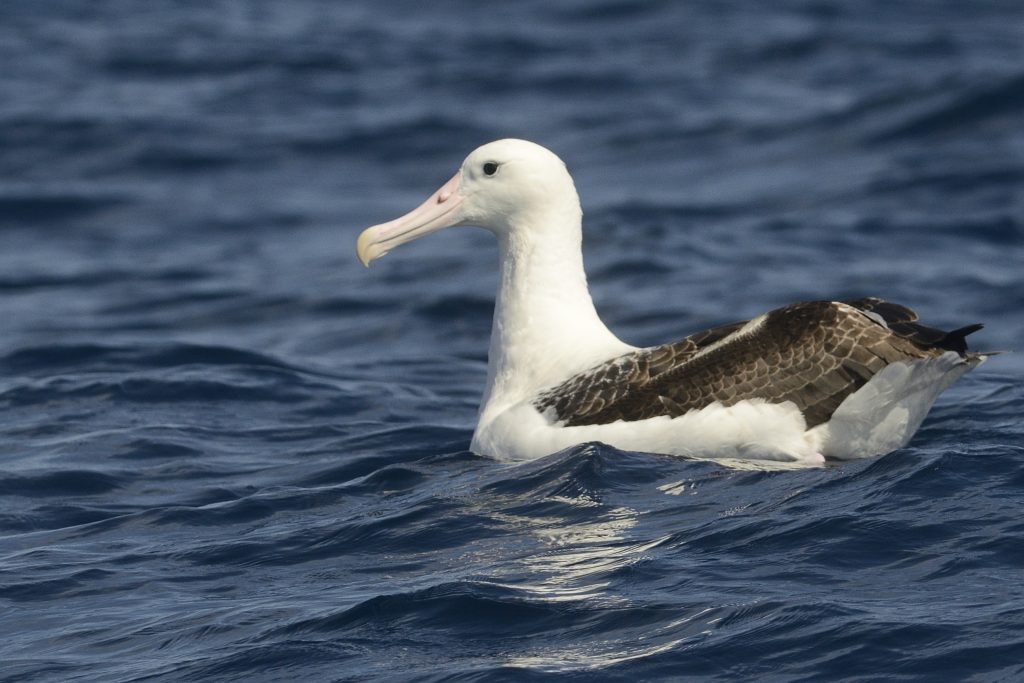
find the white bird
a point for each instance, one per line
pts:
(798, 384)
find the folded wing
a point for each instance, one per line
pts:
(814, 354)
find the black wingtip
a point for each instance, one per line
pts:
(957, 339)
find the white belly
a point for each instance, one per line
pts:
(882, 416)
(750, 430)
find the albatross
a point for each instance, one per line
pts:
(835, 379)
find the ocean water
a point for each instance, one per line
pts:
(230, 453)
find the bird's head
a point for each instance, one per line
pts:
(507, 186)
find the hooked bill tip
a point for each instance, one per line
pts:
(363, 245)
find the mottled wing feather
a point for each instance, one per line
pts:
(903, 321)
(591, 392)
(890, 312)
(814, 354)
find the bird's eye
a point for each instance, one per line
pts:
(490, 168)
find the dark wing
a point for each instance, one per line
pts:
(590, 393)
(903, 321)
(814, 354)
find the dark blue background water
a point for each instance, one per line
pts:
(227, 452)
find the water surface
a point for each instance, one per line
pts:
(231, 453)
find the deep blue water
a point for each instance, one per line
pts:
(229, 453)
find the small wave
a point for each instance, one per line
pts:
(243, 511)
(58, 484)
(428, 136)
(585, 471)
(486, 609)
(220, 59)
(99, 278)
(77, 583)
(457, 308)
(155, 390)
(971, 107)
(93, 356)
(45, 210)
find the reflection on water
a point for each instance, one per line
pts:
(576, 555)
(576, 568)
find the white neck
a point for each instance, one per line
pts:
(545, 325)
